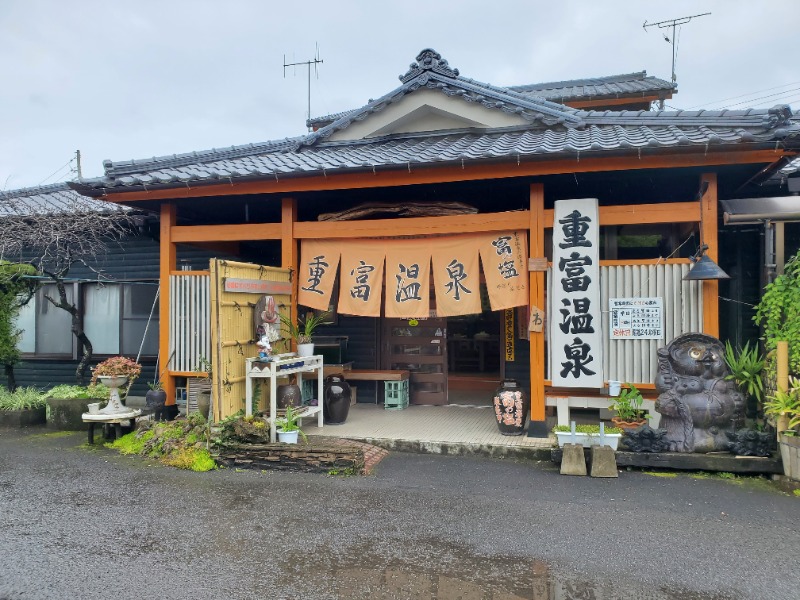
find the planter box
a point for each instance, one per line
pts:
(23, 418)
(587, 440)
(790, 455)
(65, 413)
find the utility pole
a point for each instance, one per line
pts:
(307, 63)
(672, 23)
(78, 163)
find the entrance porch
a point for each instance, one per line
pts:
(444, 429)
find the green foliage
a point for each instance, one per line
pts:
(785, 403)
(177, 444)
(746, 368)
(303, 331)
(132, 443)
(588, 429)
(778, 312)
(21, 399)
(628, 405)
(98, 391)
(15, 291)
(155, 386)
(192, 459)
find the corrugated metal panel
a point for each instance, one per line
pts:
(635, 360)
(190, 321)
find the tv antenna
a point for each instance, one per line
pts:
(672, 23)
(306, 63)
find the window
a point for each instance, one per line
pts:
(116, 319)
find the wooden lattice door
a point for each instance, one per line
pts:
(419, 346)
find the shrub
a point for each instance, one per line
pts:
(22, 399)
(98, 391)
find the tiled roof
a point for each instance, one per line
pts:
(54, 199)
(553, 130)
(613, 86)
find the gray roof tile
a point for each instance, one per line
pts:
(553, 130)
(612, 86)
(53, 199)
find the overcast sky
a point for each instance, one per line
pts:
(122, 80)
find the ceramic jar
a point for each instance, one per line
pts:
(288, 395)
(510, 408)
(336, 404)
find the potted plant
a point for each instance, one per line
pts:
(628, 406)
(287, 427)
(22, 407)
(114, 372)
(784, 407)
(303, 331)
(587, 436)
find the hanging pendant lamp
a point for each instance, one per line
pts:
(704, 268)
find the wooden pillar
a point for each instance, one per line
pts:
(289, 255)
(167, 263)
(709, 235)
(536, 285)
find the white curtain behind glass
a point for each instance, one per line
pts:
(101, 318)
(54, 326)
(26, 322)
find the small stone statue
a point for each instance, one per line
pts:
(698, 405)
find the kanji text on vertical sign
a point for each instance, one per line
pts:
(575, 334)
(508, 315)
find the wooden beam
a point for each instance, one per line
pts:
(425, 174)
(536, 287)
(228, 233)
(636, 214)
(167, 264)
(290, 258)
(708, 235)
(412, 226)
(615, 101)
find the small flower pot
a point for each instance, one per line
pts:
(287, 437)
(305, 349)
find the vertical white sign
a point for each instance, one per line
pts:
(575, 335)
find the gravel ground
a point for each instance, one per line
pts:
(80, 522)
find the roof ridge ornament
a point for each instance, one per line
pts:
(428, 60)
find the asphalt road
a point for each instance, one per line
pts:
(88, 523)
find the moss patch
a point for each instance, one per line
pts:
(54, 434)
(660, 474)
(179, 443)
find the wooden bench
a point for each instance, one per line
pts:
(385, 375)
(564, 403)
(376, 375)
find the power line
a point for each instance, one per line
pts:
(754, 100)
(743, 95)
(61, 168)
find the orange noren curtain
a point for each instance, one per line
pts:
(318, 263)
(361, 278)
(505, 268)
(456, 278)
(408, 270)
